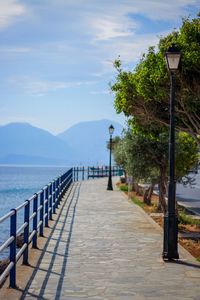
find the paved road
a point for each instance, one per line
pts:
(105, 247)
(190, 197)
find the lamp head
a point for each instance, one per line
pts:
(111, 129)
(172, 57)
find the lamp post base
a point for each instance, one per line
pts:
(170, 243)
(110, 187)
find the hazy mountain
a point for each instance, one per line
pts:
(83, 143)
(89, 140)
(23, 143)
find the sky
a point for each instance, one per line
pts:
(56, 57)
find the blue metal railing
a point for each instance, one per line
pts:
(37, 212)
(43, 204)
(84, 173)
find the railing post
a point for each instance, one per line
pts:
(35, 211)
(62, 185)
(88, 173)
(54, 196)
(50, 201)
(13, 230)
(83, 173)
(57, 193)
(26, 231)
(46, 207)
(59, 189)
(71, 176)
(41, 231)
(77, 174)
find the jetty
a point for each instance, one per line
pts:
(99, 245)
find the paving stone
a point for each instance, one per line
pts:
(108, 248)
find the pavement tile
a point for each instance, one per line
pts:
(108, 248)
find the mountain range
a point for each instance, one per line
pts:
(81, 144)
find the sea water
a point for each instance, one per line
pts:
(18, 183)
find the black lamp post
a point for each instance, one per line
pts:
(170, 244)
(110, 187)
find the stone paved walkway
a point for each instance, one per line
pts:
(105, 247)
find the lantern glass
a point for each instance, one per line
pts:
(111, 129)
(172, 59)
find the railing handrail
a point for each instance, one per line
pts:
(95, 172)
(44, 202)
(8, 215)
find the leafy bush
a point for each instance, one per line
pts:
(124, 188)
(187, 220)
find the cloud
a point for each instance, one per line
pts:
(164, 10)
(42, 87)
(10, 118)
(111, 28)
(115, 19)
(9, 10)
(102, 92)
(16, 50)
(130, 50)
(116, 27)
(86, 34)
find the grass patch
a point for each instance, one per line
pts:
(138, 199)
(198, 259)
(187, 220)
(138, 202)
(123, 188)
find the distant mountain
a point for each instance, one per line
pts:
(89, 140)
(22, 143)
(83, 143)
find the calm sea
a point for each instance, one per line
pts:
(18, 183)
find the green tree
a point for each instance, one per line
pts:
(143, 96)
(144, 93)
(145, 158)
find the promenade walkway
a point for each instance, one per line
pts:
(102, 246)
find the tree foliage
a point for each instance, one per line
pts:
(143, 96)
(144, 93)
(145, 158)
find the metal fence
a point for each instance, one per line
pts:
(85, 173)
(38, 210)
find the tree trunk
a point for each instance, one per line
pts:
(130, 186)
(135, 187)
(126, 176)
(147, 195)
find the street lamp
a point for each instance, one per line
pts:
(110, 187)
(170, 243)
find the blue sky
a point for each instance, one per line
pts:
(56, 56)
